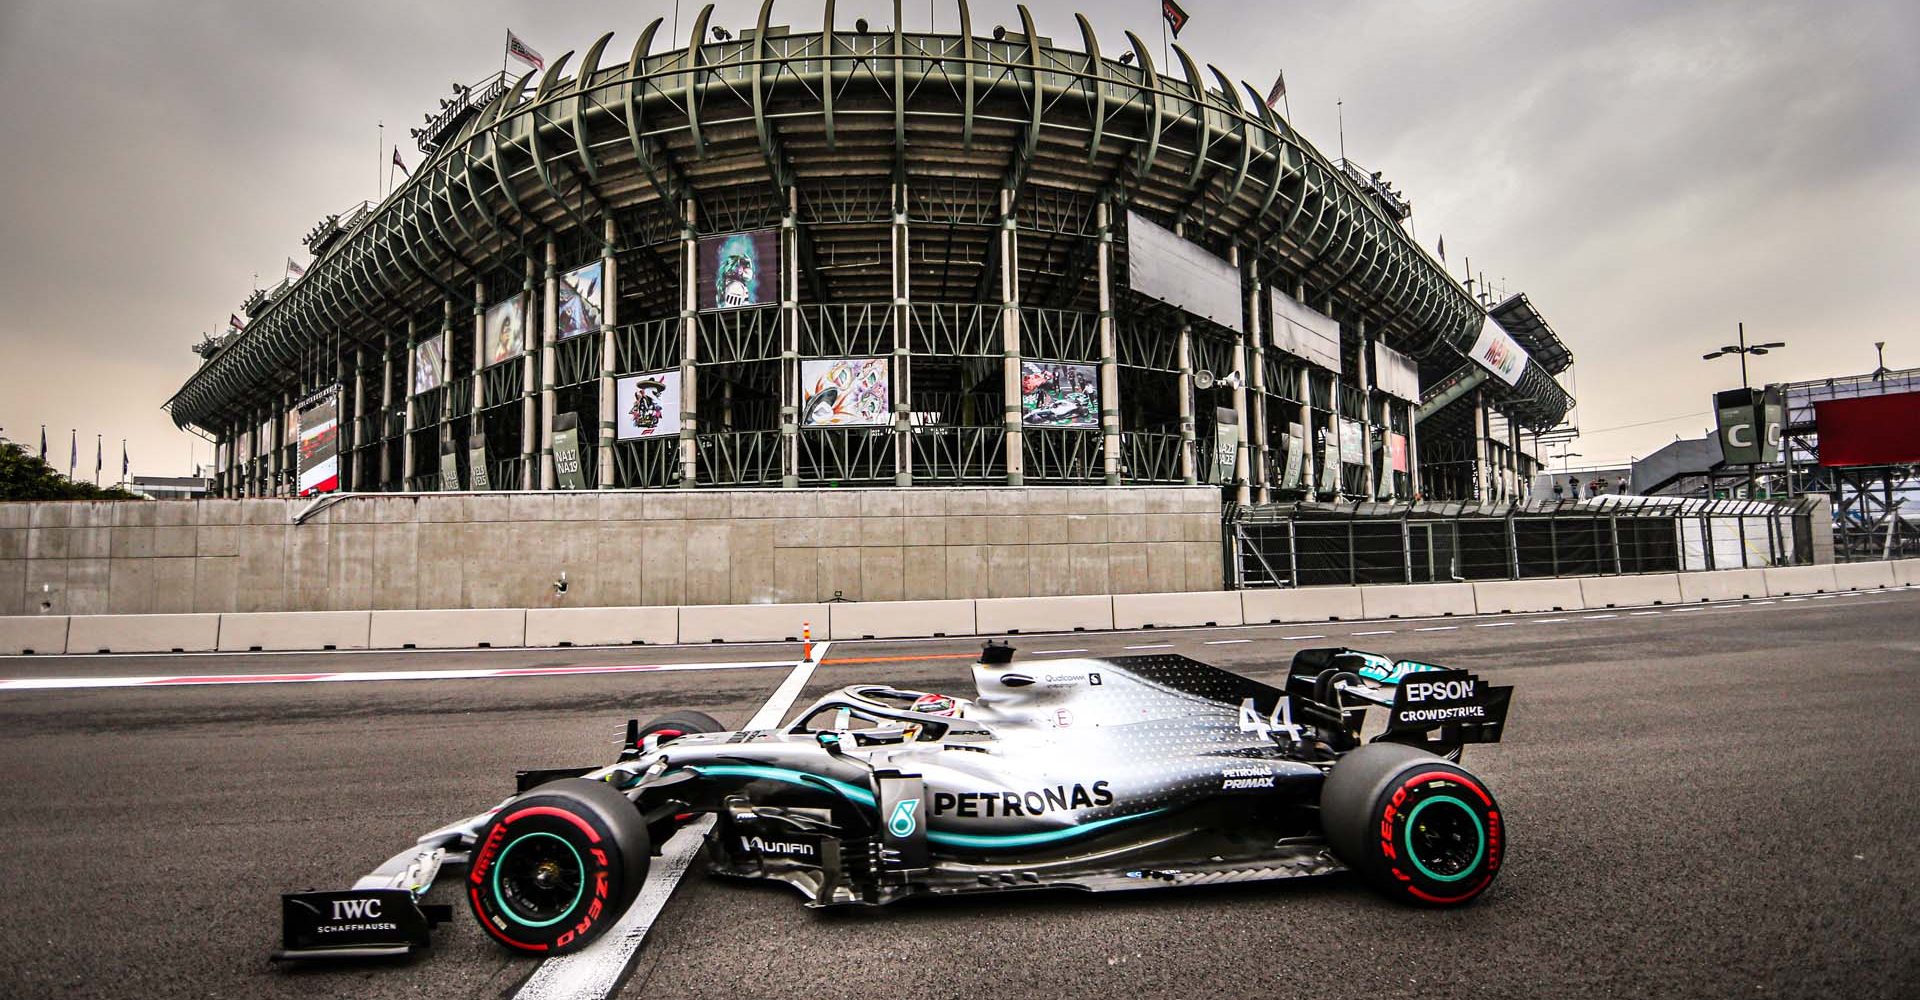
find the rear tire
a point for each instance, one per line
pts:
(681, 723)
(1416, 827)
(556, 867)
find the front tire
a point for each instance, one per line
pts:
(1416, 827)
(555, 867)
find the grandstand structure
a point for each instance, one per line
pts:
(853, 256)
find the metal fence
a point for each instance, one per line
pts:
(1308, 544)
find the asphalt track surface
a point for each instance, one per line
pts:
(1712, 802)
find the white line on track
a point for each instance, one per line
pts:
(1381, 632)
(1226, 642)
(1495, 624)
(350, 676)
(593, 972)
(1824, 597)
(1638, 614)
(1548, 621)
(1303, 637)
(1055, 652)
(1154, 645)
(1439, 628)
(1758, 603)
(1596, 617)
(1791, 600)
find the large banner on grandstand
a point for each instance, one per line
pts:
(1352, 443)
(429, 363)
(1395, 373)
(582, 308)
(1329, 464)
(739, 270)
(1499, 353)
(1296, 445)
(845, 392)
(506, 329)
(1397, 452)
(647, 406)
(1869, 430)
(1053, 394)
(1306, 333)
(320, 444)
(1164, 266)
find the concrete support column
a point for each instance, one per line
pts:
(446, 395)
(1242, 455)
(1109, 350)
(1370, 483)
(1413, 448)
(357, 469)
(902, 375)
(1010, 340)
(689, 348)
(1482, 488)
(1513, 456)
(549, 315)
(386, 403)
(1310, 476)
(406, 402)
(276, 425)
(790, 342)
(478, 425)
(1185, 391)
(609, 350)
(529, 393)
(1255, 373)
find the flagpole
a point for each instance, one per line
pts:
(379, 155)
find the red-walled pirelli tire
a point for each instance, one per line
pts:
(681, 723)
(1416, 827)
(557, 866)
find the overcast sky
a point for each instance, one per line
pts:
(1649, 172)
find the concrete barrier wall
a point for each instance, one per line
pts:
(296, 630)
(602, 626)
(41, 635)
(1786, 581)
(1724, 585)
(1043, 614)
(1601, 592)
(1906, 572)
(1316, 604)
(143, 633)
(1165, 610)
(899, 619)
(1420, 600)
(752, 622)
(1503, 596)
(458, 629)
(1863, 576)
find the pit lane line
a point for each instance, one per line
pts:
(596, 971)
(353, 676)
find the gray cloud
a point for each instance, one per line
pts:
(1648, 172)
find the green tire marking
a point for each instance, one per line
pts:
(1479, 847)
(502, 863)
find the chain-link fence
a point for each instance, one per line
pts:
(1308, 544)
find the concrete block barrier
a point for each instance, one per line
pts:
(1863, 575)
(1515, 596)
(1625, 591)
(1787, 581)
(899, 619)
(996, 615)
(602, 626)
(41, 635)
(1723, 585)
(1165, 610)
(1310, 604)
(454, 629)
(751, 622)
(143, 633)
(240, 632)
(1906, 572)
(1420, 600)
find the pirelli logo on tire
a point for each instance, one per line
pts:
(1451, 699)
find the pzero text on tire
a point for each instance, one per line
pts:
(1416, 827)
(557, 866)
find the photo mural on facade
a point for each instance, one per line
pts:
(647, 406)
(1053, 394)
(581, 309)
(738, 270)
(845, 392)
(506, 329)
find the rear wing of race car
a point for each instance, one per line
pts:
(1426, 704)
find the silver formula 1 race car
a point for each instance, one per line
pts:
(1094, 774)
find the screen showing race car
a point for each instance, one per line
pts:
(647, 406)
(844, 392)
(1055, 394)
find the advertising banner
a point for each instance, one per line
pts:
(581, 309)
(844, 392)
(1869, 430)
(1773, 419)
(505, 329)
(1163, 265)
(1352, 443)
(449, 466)
(1397, 452)
(1053, 394)
(1499, 353)
(739, 270)
(1329, 466)
(566, 452)
(1226, 445)
(429, 364)
(647, 406)
(1306, 333)
(1296, 447)
(1395, 373)
(1737, 414)
(477, 462)
(320, 444)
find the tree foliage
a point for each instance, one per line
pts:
(23, 476)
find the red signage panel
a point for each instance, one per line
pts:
(1869, 430)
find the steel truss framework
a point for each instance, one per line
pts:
(953, 202)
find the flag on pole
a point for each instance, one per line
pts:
(1443, 248)
(1175, 15)
(233, 320)
(125, 464)
(398, 163)
(73, 455)
(524, 52)
(99, 459)
(43, 442)
(294, 270)
(1279, 91)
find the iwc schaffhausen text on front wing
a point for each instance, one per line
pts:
(1097, 774)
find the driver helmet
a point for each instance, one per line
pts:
(936, 704)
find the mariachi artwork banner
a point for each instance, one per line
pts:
(738, 270)
(1053, 394)
(845, 392)
(320, 444)
(429, 362)
(581, 308)
(647, 406)
(505, 329)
